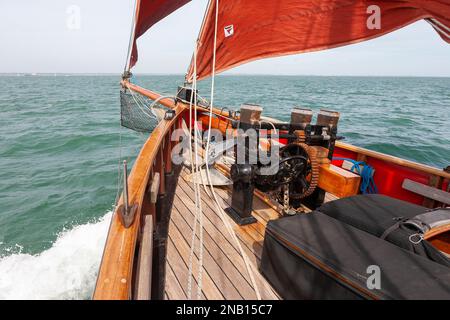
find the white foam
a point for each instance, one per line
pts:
(67, 270)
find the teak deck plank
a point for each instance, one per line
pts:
(210, 265)
(219, 227)
(180, 270)
(214, 226)
(211, 212)
(251, 229)
(219, 241)
(173, 287)
(224, 274)
(225, 259)
(209, 287)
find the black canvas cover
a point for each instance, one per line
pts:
(314, 256)
(375, 213)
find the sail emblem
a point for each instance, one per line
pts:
(229, 31)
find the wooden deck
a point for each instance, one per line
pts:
(224, 274)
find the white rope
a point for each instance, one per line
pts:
(194, 228)
(195, 170)
(152, 106)
(158, 100)
(197, 160)
(271, 123)
(217, 204)
(440, 24)
(198, 217)
(138, 103)
(271, 140)
(437, 26)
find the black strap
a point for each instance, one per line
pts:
(395, 226)
(422, 222)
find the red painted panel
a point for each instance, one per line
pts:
(389, 177)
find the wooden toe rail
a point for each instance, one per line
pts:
(118, 268)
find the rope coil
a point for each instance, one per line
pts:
(368, 185)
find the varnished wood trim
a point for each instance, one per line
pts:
(168, 152)
(114, 281)
(144, 267)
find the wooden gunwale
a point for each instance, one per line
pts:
(115, 278)
(395, 160)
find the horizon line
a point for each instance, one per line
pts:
(219, 75)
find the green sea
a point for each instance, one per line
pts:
(59, 155)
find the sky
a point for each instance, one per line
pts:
(46, 36)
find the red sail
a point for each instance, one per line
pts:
(248, 30)
(149, 12)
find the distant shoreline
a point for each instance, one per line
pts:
(30, 74)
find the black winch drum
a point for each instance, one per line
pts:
(328, 118)
(301, 116)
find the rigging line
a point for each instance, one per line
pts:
(274, 131)
(440, 24)
(151, 107)
(436, 26)
(138, 102)
(153, 104)
(133, 30)
(159, 99)
(139, 106)
(271, 123)
(141, 98)
(197, 185)
(219, 207)
(198, 207)
(194, 230)
(212, 82)
(119, 171)
(191, 253)
(200, 216)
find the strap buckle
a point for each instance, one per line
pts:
(416, 238)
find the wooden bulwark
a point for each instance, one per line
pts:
(115, 276)
(395, 160)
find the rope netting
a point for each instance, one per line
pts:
(138, 112)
